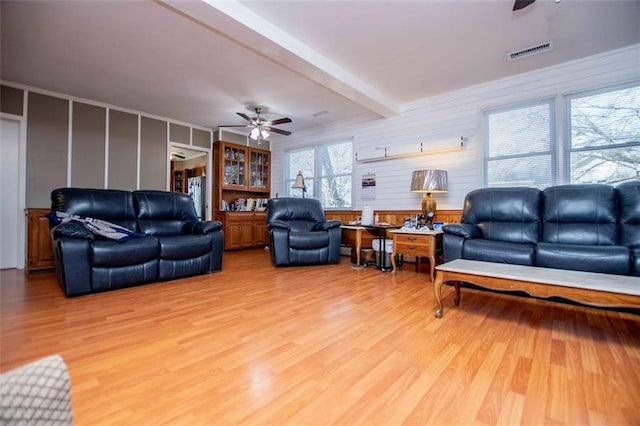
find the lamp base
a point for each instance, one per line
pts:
(428, 209)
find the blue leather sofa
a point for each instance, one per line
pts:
(171, 242)
(584, 227)
(299, 234)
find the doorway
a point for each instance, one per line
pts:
(12, 228)
(189, 173)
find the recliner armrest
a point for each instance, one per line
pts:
(463, 230)
(73, 230)
(278, 224)
(323, 226)
(202, 227)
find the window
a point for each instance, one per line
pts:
(602, 143)
(604, 136)
(327, 171)
(521, 148)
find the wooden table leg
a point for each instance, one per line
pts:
(393, 260)
(432, 266)
(437, 289)
(358, 245)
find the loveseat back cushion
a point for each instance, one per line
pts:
(504, 214)
(580, 214)
(589, 258)
(163, 213)
(301, 214)
(106, 204)
(629, 200)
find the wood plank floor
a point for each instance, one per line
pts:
(254, 344)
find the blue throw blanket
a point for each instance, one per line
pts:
(100, 227)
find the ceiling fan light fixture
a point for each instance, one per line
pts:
(255, 132)
(264, 134)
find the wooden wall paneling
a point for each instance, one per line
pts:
(153, 154)
(123, 150)
(47, 147)
(394, 217)
(87, 144)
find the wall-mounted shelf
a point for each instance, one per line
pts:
(451, 146)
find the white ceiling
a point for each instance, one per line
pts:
(203, 61)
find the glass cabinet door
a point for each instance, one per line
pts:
(259, 164)
(235, 171)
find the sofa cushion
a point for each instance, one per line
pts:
(580, 214)
(308, 240)
(589, 258)
(178, 247)
(107, 204)
(629, 201)
(499, 251)
(113, 253)
(504, 214)
(163, 213)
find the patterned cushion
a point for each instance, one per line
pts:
(37, 393)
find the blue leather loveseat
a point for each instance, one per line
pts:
(584, 227)
(170, 242)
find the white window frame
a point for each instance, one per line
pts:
(553, 143)
(314, 183)
(567, 150)
(560, 148)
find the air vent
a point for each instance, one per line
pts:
(533, 50)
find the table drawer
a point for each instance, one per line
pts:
(418, 250)
(423, 240)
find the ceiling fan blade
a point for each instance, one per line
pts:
(521, 4)
(243, 115)
(236, 125)
(281, 121)
(282, 132)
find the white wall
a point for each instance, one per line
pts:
(451, 115)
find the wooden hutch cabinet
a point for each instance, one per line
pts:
(241, 187)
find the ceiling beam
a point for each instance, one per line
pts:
(250, 30)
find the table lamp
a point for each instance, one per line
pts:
(428, 182)
(299, 183)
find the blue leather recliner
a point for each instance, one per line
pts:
(299, 234)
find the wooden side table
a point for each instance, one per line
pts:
(356, 236)
(419, 244)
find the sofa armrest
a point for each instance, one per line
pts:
(202, 227)
(280, 224)
(463, 230)
(329, 224)
(73, 230)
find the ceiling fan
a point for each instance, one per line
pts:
(521, 4)
(262, 126)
